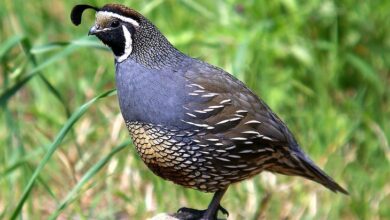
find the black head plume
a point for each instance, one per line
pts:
(77, 12)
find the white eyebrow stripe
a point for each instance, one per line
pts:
(120, 17)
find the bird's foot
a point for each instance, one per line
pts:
(194, 214)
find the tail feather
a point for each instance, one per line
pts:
(299, 164)
(319, 175)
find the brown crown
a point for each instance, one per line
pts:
(122, 10)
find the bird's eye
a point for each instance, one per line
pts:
(114, 24)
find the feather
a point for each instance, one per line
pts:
(77, 13)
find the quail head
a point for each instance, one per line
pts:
(193, 123)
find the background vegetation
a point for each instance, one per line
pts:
(322, 65)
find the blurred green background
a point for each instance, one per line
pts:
(322, 66)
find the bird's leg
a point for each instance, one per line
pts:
(214, 206)
(210, 213)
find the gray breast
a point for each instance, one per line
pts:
(150, 95)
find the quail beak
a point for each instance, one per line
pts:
(93, 30)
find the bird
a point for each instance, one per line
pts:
(193, 123)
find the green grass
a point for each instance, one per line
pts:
(323, 66)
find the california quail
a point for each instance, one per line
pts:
(193, 123)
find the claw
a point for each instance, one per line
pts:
(223, 210)
(185, 213)
(189, 214)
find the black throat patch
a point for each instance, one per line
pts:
(116, 40)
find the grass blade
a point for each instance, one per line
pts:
(53, 147)
(90, 173)
(7, 94)
(366, 71)
(10, 43)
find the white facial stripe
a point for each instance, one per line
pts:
(128, 45)
(120, 17)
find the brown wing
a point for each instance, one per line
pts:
(243, 136)
(233, 116)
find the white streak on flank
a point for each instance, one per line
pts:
(222, 122)
(246, 152)
(267, 138)
(197, 125)
(227, 120)
(225, 101)
(241, 165)
(252, 122)
(193, 94)
(128, 45)
(213, 139)
(223, 159)
(200, 111)
(190, 114)
(230, 148)
(251, 132)
(208, 95)
(216, 106)
(230, 166)
(264, 150)
(199, 91)
(199, 86)
(238, 139)
(250, 168)
(120, 17)
(241, 111)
